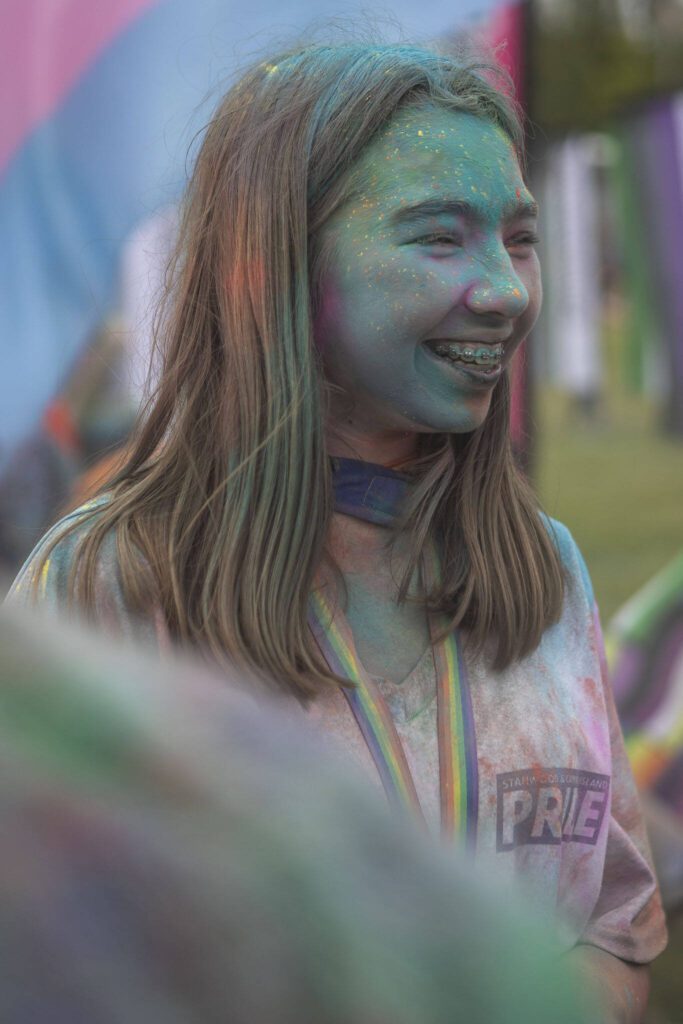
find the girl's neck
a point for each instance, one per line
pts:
(384, 449)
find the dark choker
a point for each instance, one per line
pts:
(368, 491)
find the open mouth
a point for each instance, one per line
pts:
(469, 356)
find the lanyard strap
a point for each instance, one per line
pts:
(458, 767)
(334, 637)
(455, 727)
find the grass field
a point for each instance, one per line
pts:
(617, 483)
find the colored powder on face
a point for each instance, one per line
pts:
(400, 278)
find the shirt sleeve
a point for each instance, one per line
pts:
(44, 581)
(628, 920)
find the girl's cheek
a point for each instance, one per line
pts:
(404, 277)
(330, 314)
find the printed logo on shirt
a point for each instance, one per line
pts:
(549, 806)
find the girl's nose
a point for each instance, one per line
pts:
(496, 288)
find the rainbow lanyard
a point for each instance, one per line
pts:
(458, 776)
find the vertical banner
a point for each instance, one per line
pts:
(641, 328)
(572, 267)
(660, 134)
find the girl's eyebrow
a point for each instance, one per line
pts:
(515, 210)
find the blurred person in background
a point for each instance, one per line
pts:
(78, 439)
(323, 493)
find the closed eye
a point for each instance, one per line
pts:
(439, 238)
(527, 238)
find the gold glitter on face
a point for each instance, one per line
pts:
(437, 247)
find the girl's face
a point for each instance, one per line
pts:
(436, 252)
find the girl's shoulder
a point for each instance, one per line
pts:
(570, 554)
(44, 576)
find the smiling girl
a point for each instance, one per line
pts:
(322, 490)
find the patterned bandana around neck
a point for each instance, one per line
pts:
(368, 491)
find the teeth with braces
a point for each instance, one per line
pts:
(483, 356)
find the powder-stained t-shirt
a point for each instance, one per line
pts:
(557, 812)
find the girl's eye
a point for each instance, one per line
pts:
(525, 241)
(439, 238)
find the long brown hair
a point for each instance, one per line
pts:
(226, 492)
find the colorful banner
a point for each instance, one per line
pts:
(105, 101)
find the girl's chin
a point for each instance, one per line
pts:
(356, 433)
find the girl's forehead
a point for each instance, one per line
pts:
(434, 150)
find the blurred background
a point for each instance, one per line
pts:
(102, 101)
